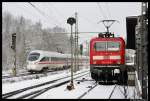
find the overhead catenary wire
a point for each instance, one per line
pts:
(24, 8)
(52, 8)
(43, 16)
(104, 16)
(42, 13)
(58, 12)
(90, 22)
(109, 13)
(46, 16)
(101, 11)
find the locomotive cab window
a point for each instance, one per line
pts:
(106, 46)
(100, 46)
(113, 46)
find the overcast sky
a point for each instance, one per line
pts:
(89, 14)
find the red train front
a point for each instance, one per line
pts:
(107, 58)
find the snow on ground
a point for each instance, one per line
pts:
(10, 72)
(119, 92)
(62, 93)
(99, 92)
(27, 75)
(8, 87)
(30, 76)
(39, 88)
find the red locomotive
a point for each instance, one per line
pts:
(107, 58)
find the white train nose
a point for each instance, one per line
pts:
(31, 67)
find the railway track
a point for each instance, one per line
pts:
(34, 93)
(11, 76)
(92, 88)
(112, 92)
(25, 74)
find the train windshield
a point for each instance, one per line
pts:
(34, 56)
(106, 46)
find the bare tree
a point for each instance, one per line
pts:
(29, 37)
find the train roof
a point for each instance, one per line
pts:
(41, 51)
(107, 39)
(52, 53)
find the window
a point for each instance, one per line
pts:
(113, 46)
(100, 46)
(45, 59)
(106, 46)
(33, 56)
(57, 59)
(54, 59)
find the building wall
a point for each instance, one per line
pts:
(131, 22)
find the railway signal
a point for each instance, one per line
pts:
(13, 46)
(71, 21)
(81, 49)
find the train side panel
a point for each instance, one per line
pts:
(39, 61)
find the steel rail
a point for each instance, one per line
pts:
(9, 94)
(87, 91)
(112, 92)
(41, 91)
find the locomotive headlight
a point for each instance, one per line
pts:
(116, 71)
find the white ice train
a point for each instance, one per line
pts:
(39, 61)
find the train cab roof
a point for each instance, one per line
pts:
(47, 53)
(107, 39)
